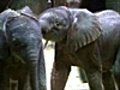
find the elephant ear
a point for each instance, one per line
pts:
(5, 16)
(85, 30)
(27, 12)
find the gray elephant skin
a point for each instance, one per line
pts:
(21, 50)
(84, 39)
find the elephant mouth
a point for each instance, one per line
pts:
(53, 35)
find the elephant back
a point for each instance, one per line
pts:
(26, 11)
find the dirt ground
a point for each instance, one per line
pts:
(73, 82)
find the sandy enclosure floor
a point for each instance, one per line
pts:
(73, 82)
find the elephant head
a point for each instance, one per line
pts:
(78, 27)
(23, 37)
(55, 23)
(19, 34)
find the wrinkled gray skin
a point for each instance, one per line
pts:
(21, 34)
(83, 39)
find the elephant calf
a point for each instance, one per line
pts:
(21, 49)
(84, 39)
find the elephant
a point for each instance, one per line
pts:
(93, 6)
(83, 39)
(21, 50)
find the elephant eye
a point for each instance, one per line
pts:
(57, 24)
(60, 23)
(16, 42)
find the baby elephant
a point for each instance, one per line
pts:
(21, 49)
(84, 39)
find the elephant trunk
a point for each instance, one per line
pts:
(33, 55)
(37, 70)
(33, 66)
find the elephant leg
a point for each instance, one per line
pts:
(6, 80)
(117, 78)
(23, 79)
(6, 83)
(1, 75)
(95, 80)
(108, 81)
(59, 76)
(13, 84)
(82, 75)
(4, 76)
(116, 72)
(116, 69)
(22, 82)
